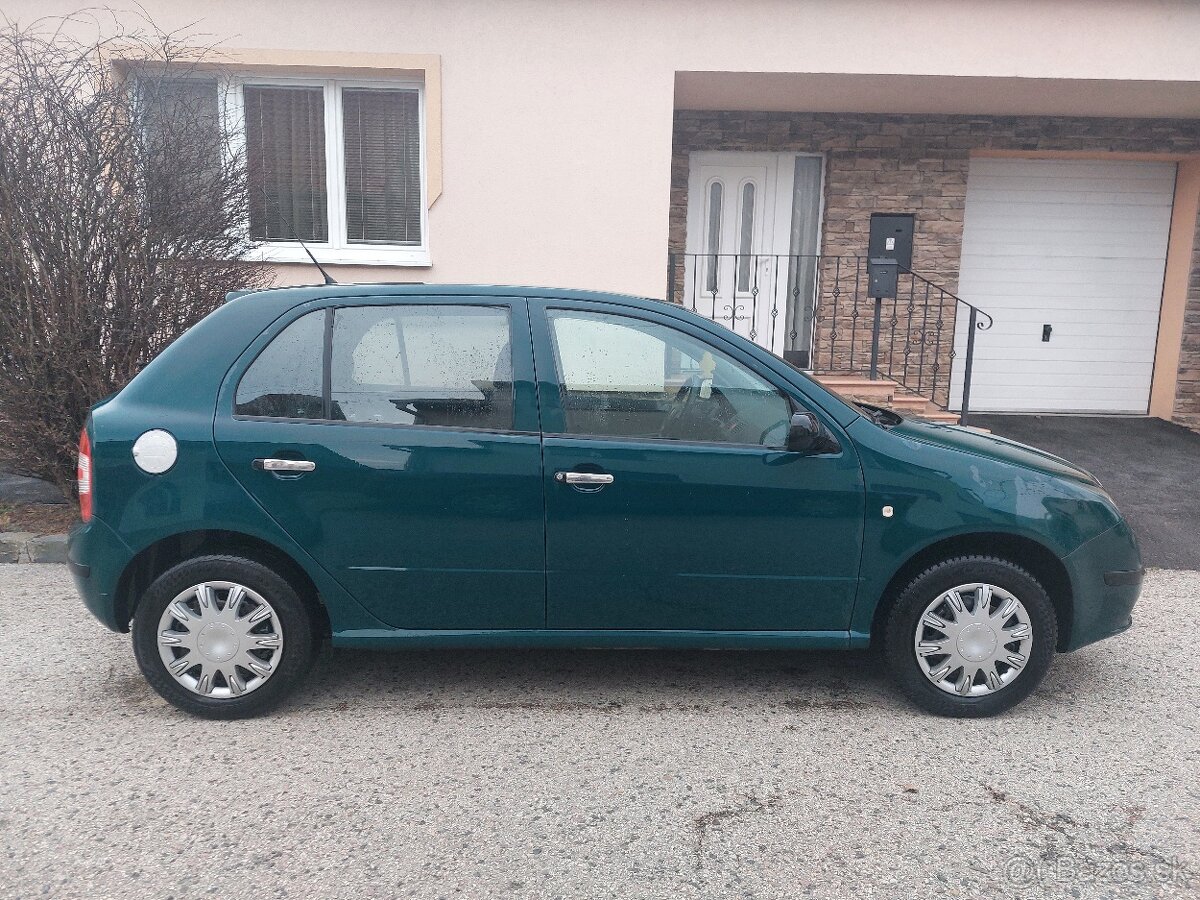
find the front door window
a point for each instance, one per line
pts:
(626, 377)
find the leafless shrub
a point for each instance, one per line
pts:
(123, 215)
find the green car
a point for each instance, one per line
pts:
(415, 466)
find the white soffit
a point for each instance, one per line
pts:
(935, 94)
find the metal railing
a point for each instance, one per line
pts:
(815, 312)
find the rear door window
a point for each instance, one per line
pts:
(422, 365)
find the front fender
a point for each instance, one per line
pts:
(935, 493)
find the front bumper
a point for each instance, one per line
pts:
(1106, 578)
(96, 558)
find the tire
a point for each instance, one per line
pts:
(974, 639)
(254, 654)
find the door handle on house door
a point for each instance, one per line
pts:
(1046, 329)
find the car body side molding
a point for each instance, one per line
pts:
(586, 639)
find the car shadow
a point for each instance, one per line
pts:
(613, 681)
(601, 680)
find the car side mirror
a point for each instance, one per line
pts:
(807, 435)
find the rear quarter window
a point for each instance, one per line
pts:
(285, 380)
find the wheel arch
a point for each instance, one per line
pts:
(153, 560)
(1036, 558)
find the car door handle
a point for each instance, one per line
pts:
(284, 465)
(585, 479)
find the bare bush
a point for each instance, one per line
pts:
(123, 214)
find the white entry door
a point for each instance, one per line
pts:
(739, 233)
(1068, 257)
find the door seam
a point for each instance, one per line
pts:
(537, 395)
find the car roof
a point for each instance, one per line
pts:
(304, 294)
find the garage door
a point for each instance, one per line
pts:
(1068, 256)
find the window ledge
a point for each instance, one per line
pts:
(416, 257)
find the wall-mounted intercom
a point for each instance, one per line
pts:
(892, 237)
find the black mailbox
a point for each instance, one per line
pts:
(892, 237)
(882, 275)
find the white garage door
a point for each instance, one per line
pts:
(1072, 250)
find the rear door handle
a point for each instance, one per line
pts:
(586, 479)
(284, 465)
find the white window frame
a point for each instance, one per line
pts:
(337, 250)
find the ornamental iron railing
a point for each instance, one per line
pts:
(816, 312)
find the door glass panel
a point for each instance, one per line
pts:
(746, 237)
(626, 377)
(422, 365)
(716, 193)
(285, 380)
(802, 274)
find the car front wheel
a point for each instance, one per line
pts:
(222, 637)
(971, 636)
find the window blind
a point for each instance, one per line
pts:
(383, 166)
(285, 163)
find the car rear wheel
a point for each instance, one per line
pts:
(971, 636)
(223, 637)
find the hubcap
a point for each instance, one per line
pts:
(220, 639)
(974, 639)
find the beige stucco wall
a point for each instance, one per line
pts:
(557, 114)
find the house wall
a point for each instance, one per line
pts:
(556, 118)
(918, 164)
(556, 115)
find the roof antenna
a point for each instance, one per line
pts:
(320, 268)
(292, 228)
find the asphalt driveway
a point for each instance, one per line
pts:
(20, 489)
(595, 774)
(1151, 468)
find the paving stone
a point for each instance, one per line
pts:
(12, 545)
(47, 548)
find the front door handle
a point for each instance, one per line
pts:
(584, 479)
(285, 465)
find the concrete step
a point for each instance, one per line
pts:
(887, 393)
(860, 388)
(939, 415)
(852, 381)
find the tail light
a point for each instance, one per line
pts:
(83, 477)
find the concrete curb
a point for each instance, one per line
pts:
(26, 547)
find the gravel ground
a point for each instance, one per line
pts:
(599, 774)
